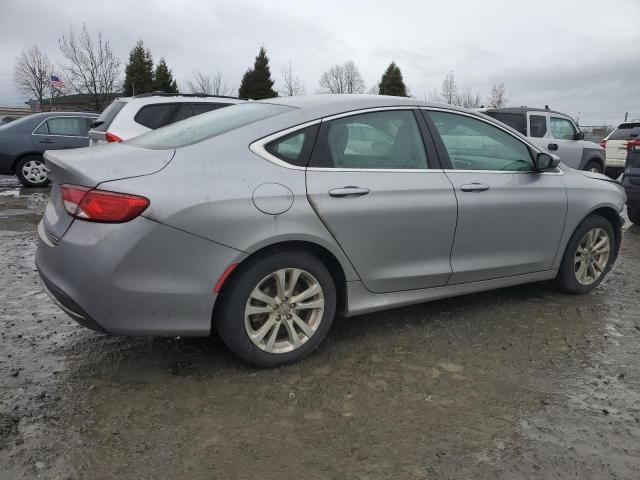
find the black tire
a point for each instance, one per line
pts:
(566, 279)
(593, 166)
(229, 314)
(27, 180)
(633, 214)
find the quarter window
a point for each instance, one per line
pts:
(538, 126)
(562, 129)
(377, 140)
(296, 147)
(476, 145)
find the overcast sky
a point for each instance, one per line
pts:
(578, 56)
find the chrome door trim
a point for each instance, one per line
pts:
(558, 171)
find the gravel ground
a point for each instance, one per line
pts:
(518, 383)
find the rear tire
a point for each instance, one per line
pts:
(593, 166)
(634, 215)
(267, 325)
(31, 172)
(588, 256)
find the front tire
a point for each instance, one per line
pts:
(593, 166)
(588, 256)
(276, 308)
(31, 171)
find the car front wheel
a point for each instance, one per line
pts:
(277, 308)
(31, 171)
(593, 166)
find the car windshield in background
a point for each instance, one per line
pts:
(107, 116)
(199, 128)
(626, 131)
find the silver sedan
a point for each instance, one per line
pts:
(263, 220)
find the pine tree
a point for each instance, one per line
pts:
(256, 82)
(139, 71)
(163, 79)
(392, 83)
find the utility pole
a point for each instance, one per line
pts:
(626, 115)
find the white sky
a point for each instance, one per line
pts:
(578, 56)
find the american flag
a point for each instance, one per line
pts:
(56, 82)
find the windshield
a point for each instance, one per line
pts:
(208, 125)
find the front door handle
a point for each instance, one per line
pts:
(552, 147)
(475, 187)
(348, 192)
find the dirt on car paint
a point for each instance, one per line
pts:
(519, 383)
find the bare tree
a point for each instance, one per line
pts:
(498, 97)
(467, 99)
(92, 68)
(291, 85)
(434, 96)
(344, 78)
(32, 74)
(375, 89)
(210, 85)
(449, 91)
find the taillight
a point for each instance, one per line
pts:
(101, 205)
(603, 144)
(111, 138)
(631, 144)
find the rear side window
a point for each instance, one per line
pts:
(296, 147)
(107, 116)
(562, 129)
(208, 125)
(154, 116)
(184, 111)
(538, 126)
(199, 108)
(626, 131)
(64, 126)
(514, 120)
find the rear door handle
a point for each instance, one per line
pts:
(475, 187)
(348, 192)
(552, 147)
(46, 140)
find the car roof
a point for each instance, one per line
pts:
(523, 110)
(150, 98)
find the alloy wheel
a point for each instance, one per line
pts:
(284, 310)
(34, 171)
(592, 256)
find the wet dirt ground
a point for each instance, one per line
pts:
(519, 383)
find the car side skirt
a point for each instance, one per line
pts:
(361, 301)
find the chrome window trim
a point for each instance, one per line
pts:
(375, 170)
(367, 110)
(57, 135)
(557, 171)
(259, 146)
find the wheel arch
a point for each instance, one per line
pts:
(17, 160)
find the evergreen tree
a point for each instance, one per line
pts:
(256, 82)
(392, 83)
(163, 80)
(139, 71)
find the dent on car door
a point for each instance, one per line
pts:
(510, 218)
(371, 184)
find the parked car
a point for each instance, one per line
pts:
(631, 180)
(23, 141)
(262, 220)
(129, 117)
(617, 145)
(554, 132)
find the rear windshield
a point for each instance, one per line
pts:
(107, 116)
(200, 127)
(514, 120)
(626, 131)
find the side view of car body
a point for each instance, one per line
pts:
(619, 143)
(23, 142)
(129, 117)
(555, 132)
(262, 220)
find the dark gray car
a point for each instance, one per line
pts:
(23, 142)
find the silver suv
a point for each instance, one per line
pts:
(555, 132)
(129, 117)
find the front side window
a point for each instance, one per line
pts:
(476, 145)
(562, 129)
(67, 126)
(538, 126)
(377, 140)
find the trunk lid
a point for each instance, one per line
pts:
(89, 167)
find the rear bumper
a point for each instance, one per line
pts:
(136, 278)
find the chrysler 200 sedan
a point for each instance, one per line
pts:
(263, 220)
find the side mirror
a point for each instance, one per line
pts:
(546, 161)
(579, 136)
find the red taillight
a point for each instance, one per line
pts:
(603, 144)
(100, 205)
(111, 138)
(631, 144)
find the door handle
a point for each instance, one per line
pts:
(46, 140)
(475, 187)
(552, 147)
(348, 192)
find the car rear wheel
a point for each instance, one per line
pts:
(588, 256)
(31, 171)
(593, 166)
(277, 308)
